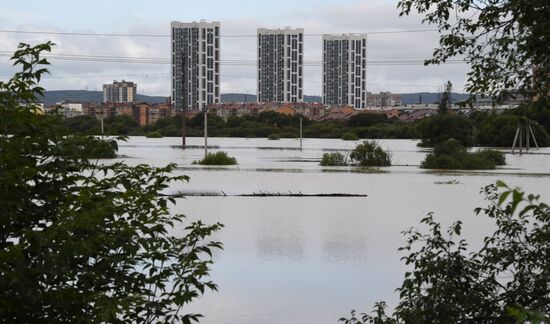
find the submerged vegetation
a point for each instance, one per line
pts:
(370, 154)
(452, 155)
(218, 158)
(274, 137)
(333, 159)
(153, 134)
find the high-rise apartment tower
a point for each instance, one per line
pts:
(123, 91)
(345, 70)
(195, 64)
(280, 65)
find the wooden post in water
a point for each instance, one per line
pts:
(515, 139)
(529, 134)
(520, 140)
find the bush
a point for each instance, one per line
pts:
(452, 155)
(493, 155)
(153, 134)
(439, 128)
(333, 159)
(274, 137)
(288, 135)
(82, 241)
(89, 147)
(218, 158)
(500, 130)
(369, 153)
(350, 137)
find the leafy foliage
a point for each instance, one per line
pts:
(500, 130)
(334, 159)
(81, 241)
(369, 153)
(218, 158)
(452, 155)
(506, 281)
(504, 41)
(350, 137)
(445, 101)
(153, 134)
(439, 128)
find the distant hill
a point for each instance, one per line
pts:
(51, 97)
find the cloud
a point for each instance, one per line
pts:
(357, 17)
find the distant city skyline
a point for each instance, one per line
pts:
(238, 71)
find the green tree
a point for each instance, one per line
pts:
(369, 154)
(439, 128)
(500, 130)
(82, 241)
(506, 281)
(366, 119)
(505, 42)
(445, 101)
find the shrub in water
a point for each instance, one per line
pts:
(350, 137)
(493, 155)
(274, 137)
(218, 158)
(369, 153)
(153, 134)
(333, 159)
(288, 135)
(450, 154)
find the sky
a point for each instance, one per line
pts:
(237, 17)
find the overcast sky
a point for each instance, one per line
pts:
(240, 17)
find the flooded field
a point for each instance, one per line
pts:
(313, 259)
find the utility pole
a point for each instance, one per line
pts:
(205, 131)
(183, 128)
(301, 132)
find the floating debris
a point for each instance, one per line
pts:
(454, 181)
(263, 194)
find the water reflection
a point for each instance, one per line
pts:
(311, 260)
(280, 237)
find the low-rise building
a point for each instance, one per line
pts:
(338, 113)
(383, 100)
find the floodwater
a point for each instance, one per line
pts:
(313, 259)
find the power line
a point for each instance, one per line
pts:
(221, 36)
(227, 62)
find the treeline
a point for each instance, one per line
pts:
(265, 124)
(484, 128)
(480, 128)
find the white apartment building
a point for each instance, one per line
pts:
(280, 65)
(345, 70)
(123, 91)
(195, 64)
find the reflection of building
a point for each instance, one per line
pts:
(280, 65)
(195, 64)
(345, 70)
(123, 91)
